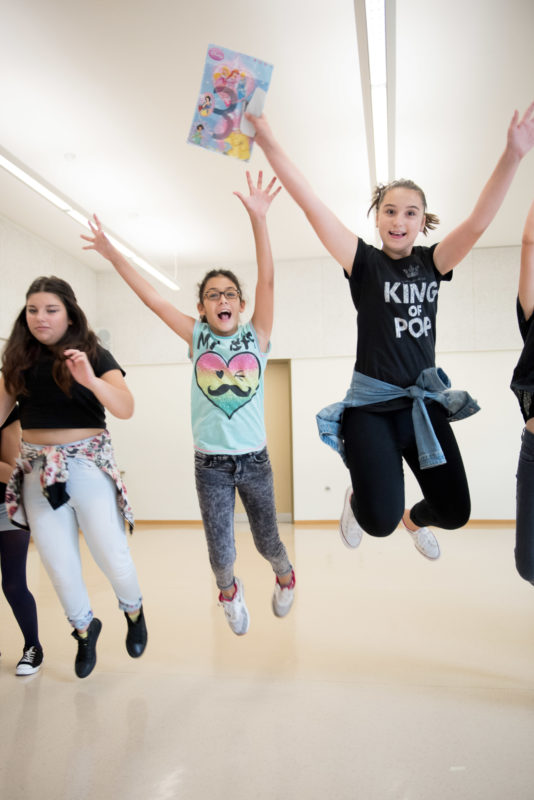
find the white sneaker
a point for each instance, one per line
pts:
(350, 532)
(235, 610)
(425, 542)
(283, 597)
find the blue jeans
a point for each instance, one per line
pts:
(524, 536)
(217, 478)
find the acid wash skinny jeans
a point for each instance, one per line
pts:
(92, 507)
(524, 537)
(217, 478)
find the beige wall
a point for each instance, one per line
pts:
(478, 343)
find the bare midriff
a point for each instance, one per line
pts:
(58, 435)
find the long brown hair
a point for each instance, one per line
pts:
(22, 349)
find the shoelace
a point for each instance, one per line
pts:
(29, 655)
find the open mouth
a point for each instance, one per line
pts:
(396, 235)
(224, 315)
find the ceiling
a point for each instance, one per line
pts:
(97, 99)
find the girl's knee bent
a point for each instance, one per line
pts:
(378, 524)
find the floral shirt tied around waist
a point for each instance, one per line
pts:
(54, 474)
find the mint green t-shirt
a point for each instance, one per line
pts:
(227, 391)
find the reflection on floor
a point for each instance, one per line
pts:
(393, 677)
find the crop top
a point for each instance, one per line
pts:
(47, 406)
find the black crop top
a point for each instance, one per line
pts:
(47, 406)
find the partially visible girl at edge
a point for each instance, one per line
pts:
(13, 555)
(395, 289)
(229, 360)
(523, 387)
(67, 477)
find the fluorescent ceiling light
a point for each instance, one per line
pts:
(33, 184)
(81, 218)
(375, 13)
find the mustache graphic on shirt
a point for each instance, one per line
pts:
(229, 386)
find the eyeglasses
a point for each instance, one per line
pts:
(230, 294)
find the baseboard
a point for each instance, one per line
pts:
(303, 523)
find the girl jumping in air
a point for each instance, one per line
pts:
(229, 360)
(13, 553)
(67, 477)
(398, 405)
(523, 387)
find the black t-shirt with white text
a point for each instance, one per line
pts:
(396, 301)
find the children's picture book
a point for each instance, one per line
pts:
(231, 83)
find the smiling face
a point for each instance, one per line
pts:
(221, 312)
(46, 317)
(399, 219)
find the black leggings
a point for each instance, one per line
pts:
(13, 552)
(524, 537)
(375, 444)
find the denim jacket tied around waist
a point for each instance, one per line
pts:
(431, 384)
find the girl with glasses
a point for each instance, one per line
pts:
(229, 359)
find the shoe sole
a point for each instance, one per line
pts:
(28, 671)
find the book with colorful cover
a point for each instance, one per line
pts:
(229, 81)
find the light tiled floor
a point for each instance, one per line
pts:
(393, 678)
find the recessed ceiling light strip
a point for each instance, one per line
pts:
(79, 216)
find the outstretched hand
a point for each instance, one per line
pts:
(258, 201)
(98, 241)
(521, 132)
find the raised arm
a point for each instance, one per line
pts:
(257, 203)
(182, 324)
(526, 275)
(340, 242)
(457, 244)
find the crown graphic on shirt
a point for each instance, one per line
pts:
(412, 271)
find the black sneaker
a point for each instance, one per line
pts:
(32, 658)
(137, 635)
(86, 655)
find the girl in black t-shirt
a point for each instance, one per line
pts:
(67, 478)
(394, 290)
(523, 387)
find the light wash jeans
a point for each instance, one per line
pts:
(217, 478)
(93, 508)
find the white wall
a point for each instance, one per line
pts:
(478, 344)
(24, 257)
